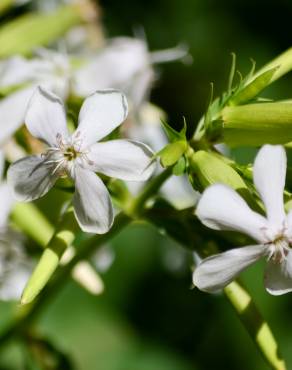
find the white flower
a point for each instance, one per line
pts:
(15, 266)
(51, 70)
(124, 63)
(221, 208)
(79, 156)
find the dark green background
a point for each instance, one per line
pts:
(149, 318)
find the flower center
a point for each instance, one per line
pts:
(63, 155)
(279, 249)
(70, 153)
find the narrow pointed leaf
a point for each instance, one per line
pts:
(232, 72)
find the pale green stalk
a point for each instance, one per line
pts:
(63, 237)
(32, 222)
(28, 313)
(5, 5)
(257, 327)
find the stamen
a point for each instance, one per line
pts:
(272, 250)
(278, 250)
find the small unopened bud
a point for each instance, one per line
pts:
(210, 169)
(253, 88)
(170, 154)
(257, 124)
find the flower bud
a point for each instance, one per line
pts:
(257, 124)
(210, 168)
(252, 89)
(172, 152)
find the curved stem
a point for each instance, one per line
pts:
(254, 323)
(29, 313)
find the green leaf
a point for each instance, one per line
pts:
(251, 72)
(232, 72)
(171, 133)
(208, 115)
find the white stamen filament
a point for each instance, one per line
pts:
(278, 249)
(69, 150)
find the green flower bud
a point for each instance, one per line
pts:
(253, 88)
(210, 169)
(257, 124)
(172, 152)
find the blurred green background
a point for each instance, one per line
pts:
(149, 318)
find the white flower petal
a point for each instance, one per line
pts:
(16, 71)
(14, 283)
(269, 173)
(12, 111)
(120, 62)
(100, 114)
(278, 276)
(92, 203)
(46, 117)
(179, 192)
(217, 271)
(140, 89)
(2, 164)
(122, 159)
(222, 208)
(30, 178)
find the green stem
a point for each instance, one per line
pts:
(29, 313)
(137, 204)
(49, 261)
(32, 222)
(5, 5)
(256, 326)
